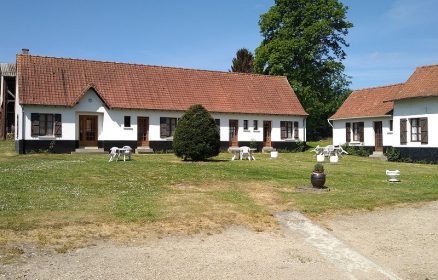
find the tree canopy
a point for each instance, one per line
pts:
(243, 62)
(304, 40)
(197, 135)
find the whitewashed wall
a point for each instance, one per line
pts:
(417, 108)
(18, 114)
(111, 122)
(339, 132)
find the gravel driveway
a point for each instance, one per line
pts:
(401, 242)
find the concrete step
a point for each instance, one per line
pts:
(378, 155)
(144, 150)
(89, 150)
(268, 149)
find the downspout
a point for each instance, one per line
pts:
(330, 123)
(305, 129)
(23, 130)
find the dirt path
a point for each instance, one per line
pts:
(402, 241)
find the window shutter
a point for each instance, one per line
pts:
(35, 121)
(348, 132)
(163, 128)
(403, 132)
(283, 130)
(296, 130)
(424, 133)
(361, 128)
(172, 127)
(58, 125)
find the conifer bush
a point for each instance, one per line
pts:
(196, 136)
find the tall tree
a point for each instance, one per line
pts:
(243, 62)
(303, 40)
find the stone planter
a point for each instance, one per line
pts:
(334, 159)
(274, 154)
(320, 158)
(317, 179)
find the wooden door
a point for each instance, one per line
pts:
(143, 132)
(378, 137)
(267, 127)
(87, 130)
(234, 129)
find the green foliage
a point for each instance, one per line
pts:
(243, 62)
(356, 150)
(303, 40)
(392, 154)
(253, 144)
(318, 168)
(52, 145)
(196, 135)
(301, 146)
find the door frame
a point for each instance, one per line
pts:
(82, 125)
(233, 133)
(267, 137)
(140, 141)
(378, 136)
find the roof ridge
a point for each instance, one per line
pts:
(427, 66)
(376, 87)
(155, 66)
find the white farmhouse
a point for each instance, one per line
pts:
(66, 104)
(416, 115)
(365, 118)
(398, 116)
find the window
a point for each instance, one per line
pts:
(167, 127)
(358, 131)
(415, 130)
(286, 129)
(245, 124)
(419, 130)
(256, 124)
(127, 121)
(390, 125)
(46, 125)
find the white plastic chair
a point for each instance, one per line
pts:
(113, 154)
(127, 151)
(244, 152)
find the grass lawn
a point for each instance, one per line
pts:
(68, 200)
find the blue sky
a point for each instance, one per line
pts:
(389, 39)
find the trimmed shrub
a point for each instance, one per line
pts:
(196, 136)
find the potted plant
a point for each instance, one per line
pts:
(318, 176)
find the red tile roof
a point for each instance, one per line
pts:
(422, 83)
(369, 102)
(62, 82)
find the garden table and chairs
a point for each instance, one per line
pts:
(331, 151)
(243, 152)
(116, 153)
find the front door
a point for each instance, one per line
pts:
(378, 137)
(87, 130)
(143, 131)
(267, 133)
(234, 128)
